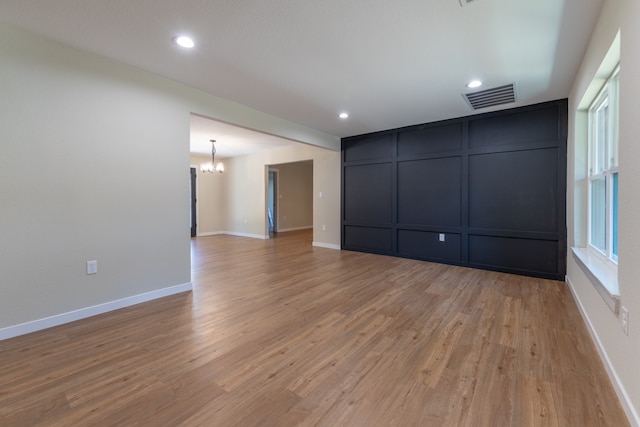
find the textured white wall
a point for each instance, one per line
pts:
(73, 130)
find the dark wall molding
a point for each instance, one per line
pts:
(485, 191)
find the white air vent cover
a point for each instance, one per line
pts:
(491, 97)
(463, 3)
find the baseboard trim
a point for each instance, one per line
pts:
(209, 233)
(252, 236)
(283, 230)
(234, 233)
(326, 245)
(83, 313)
(624, 398)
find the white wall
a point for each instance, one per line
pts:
(621, 351)
(211, 218)
(295, 195)
(246, 186)
(73, 130)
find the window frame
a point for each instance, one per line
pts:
(607, 98)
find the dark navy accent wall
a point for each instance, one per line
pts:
(485, 191)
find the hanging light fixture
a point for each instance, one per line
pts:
(211, 167)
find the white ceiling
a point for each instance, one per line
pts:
(388, 63)
(230, 140)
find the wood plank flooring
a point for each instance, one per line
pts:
(279, 333)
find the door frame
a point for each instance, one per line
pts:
(193, 191)
(276, 198)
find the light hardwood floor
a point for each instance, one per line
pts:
(278, 333)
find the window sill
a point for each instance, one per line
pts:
(603, 278)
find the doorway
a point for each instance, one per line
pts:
(288, 197)
(272, 201)
(192, 208)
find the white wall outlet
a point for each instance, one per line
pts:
(92, 267)
(624, 319)
(441, 237)
(320, 195)
(324, 227)
(245, 220)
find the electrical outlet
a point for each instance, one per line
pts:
(442, 237)
(92, 267)
(324, 227)
(624, 319)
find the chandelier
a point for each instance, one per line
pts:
(211, 167)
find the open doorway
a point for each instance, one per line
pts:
(193, 207)
(289, 197)
(272, 201)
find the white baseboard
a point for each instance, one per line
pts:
(233, 233)
(83, 313)
(326, 245)
(253, 236)
(623, 396)
(209, 233)
(306, 227)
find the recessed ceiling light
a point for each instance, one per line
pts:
(474, 84)
(184, 41)
(343, 115)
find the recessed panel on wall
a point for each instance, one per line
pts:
(494, 184)
(368, 238)
(367, 198)
(430, 139)
(429, 245)
(374, 147)
(516, 128)
(514, 190)
(429, 192)
(524, 255)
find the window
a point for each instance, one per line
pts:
(596, 151)
(603, 171)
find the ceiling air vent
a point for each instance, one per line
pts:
(491, 97)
